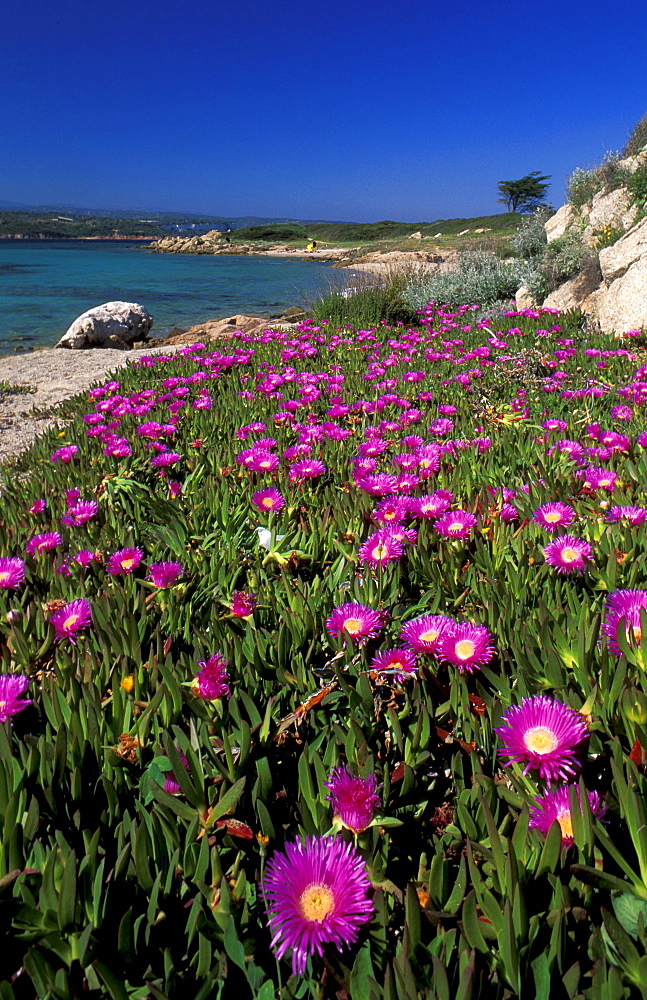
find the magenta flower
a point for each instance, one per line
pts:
(399, 662)
(84, 557)
(432, 504)
(555, 805)
(212, 680)
(544, 735)
(268, 500)
(391, 510)
(12, 686)
(455, 524)
(12, 573)
(80, 512)
(552, 516)
(65, 454)
(423, 634)
(354, 800)
(383, 546)
(165, 574)
(124, 561)
(465, 645)
(307, 469)
(42, 543)
(165, 458)
(632, 515)
(171, 784)
(38, 506)
(598, 479)
(316, 894)
(71, 618)
(354, 620)
(623, 608)
(568, 554)
(242, 604)
(262, 460)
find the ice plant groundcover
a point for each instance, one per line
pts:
(323, 670)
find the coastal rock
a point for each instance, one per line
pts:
(624, 306)
(415, 236)
(558, 223)
(220, 329)
(576, 292)
(630, 248)
(113, 324)
(523, 298)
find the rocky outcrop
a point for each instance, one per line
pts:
(113, 325)
(576, 292)
(612, 287)
(221, 329)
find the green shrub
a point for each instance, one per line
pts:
(479, 277)
(638, 138)
(607, 235)
(564, 258)
(364, 303)
(637, 186)
(581, 186)
(530, 238)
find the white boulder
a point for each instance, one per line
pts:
(113, 324)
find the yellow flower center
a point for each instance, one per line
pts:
(352, 625)
(552, 517)
(565, 822)
(266, 464)
(4, 576)
(569, 554)
(464, 649)
(540, 740)
(127, 563)
(429, 636)
(455, 526)
(267, 502)
(71, 621)
(380, 552)
(316, 902)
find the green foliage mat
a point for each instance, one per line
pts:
(112, 885)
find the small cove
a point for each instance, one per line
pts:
(46, 284)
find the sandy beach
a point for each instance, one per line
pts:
(50, 376)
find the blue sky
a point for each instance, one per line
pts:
(410, 110)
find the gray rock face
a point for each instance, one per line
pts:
(559, 222)
(575, 293)
(609, 208)
(113, 324)
(630, 248)
(624, 305)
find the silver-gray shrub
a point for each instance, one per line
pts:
(479, 277)
(530, 238)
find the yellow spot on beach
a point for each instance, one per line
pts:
(317, 901)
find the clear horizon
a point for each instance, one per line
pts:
(360, 113)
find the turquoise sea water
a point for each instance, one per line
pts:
(46, 284)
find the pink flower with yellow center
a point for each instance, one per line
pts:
(568, 554)
(316, 894)
(356, 621)
(124, 561)
(555, 805)
(423, 634)
(543, 734)
(12, 573)
(552, 516)
(70, 619)
(268, 500)
(465, 645)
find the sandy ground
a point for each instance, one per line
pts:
(55, 375)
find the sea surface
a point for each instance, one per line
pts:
(46, 284)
